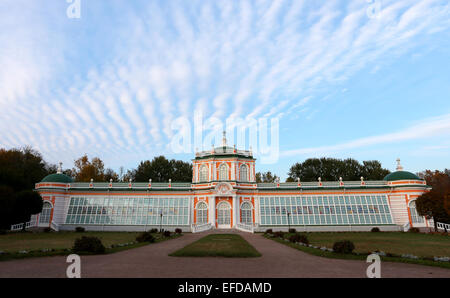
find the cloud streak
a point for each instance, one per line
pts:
(166, 59)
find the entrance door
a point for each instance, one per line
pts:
(223, 215)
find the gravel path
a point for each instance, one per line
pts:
(278, 260)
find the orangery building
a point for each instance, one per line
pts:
(224, 194)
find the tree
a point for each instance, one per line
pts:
(111, 175)
(26, 203)
(20, 169)
(6, 206)
(266, 177)
(160, 169)
(86, 170)
(434, 204)
(372, 170)
(331, 169)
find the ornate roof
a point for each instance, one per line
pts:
(401, 175)
(60, 178)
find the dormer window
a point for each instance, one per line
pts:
(223, 172)
(203, 173)
(243, 173)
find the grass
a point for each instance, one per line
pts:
(393, 243)
(418, 244)
(219, 245)
(60, 243)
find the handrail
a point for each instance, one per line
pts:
(54, 226)
(17, 227)
(406, 227)
(245, 227)
(195, 228)
(443, 226)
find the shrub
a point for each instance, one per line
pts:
(153, 231)
(413, 230)
(292, 231)
(80, 229)
(145, 237)
(88, 244)
(178, 231)
(375, 230)
(166, 234)
(343, 247)
(47, 230)
(278, 234)
(2, 232)
(269, 231)
(299, 238)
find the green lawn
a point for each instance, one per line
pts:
(418, 244)
(60, 243)
(13, 242)
(219, 245)
(394, 244)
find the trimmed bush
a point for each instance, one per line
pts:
(80, 229)
(343, 247)
(178, 231)
(88, 244)
(292, 231)
(269, 231)
(166, 234)
(145, 237)
(278, 234)
(153, 231)
(299, 238)
(47, 230)
(375, 230)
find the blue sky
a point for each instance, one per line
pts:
(343, 82)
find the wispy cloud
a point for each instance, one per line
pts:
(167, 59)
(439, 126)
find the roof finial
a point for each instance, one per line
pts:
(399, 166)
(224, 139)
(59, 170)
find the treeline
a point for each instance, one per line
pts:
(159, 169)
(20, 169)
(331, 169)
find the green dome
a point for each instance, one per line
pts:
(401, 175)
(60, 178)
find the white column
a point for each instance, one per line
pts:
(235, 211)
(212, 211)
(257, 215)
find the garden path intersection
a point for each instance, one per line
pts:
(277, 261)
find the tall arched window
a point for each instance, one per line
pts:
(202, 213)
(203, 173)
(246, 213)
(243, 173)
(415, 217)
(223, 172)
(44, 218)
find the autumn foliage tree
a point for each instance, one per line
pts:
(435, 203)
(86, 169)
